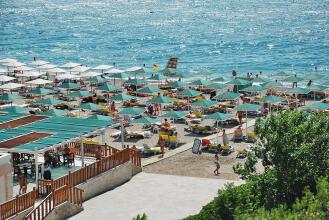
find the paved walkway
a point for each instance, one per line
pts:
(159, 196)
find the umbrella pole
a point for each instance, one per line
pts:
(246, 123)
(217, 131)
(36, 167)
(82, 151)
(122, 133)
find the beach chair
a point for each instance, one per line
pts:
(147, 151)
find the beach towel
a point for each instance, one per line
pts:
(196, 146)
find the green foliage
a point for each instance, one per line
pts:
(293, 147)
(138, 217)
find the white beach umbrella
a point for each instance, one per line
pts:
(39, 82)
(11, 86)
(30, 74)
(66, 76)
(47, 66)
(89, 74)
(13, 64)
(134, 69)
(23, 68)
(79, 69)
(8, 60)
(102, 67)
(56, 70)
(4, 78)
(114, 71)
(38, 62)
(70, 65)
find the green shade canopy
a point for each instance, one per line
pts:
(136, 82)
(281, 74)
(293, 79)
(316, 106)
(157, 77)
(145, 120)
(272, 99)
(313, 76)
(100, 117)
(204, 103)
(91, 106)
(260, 80)
(231, 96)
(131, 111)
(274, 84)
(97, 79)
(174, 114)
(79, 93)
(168, 71)
(217, 86)
(176, 84)
(247, 107)
(221, 79)
(10, 97)
(69, 85)
(55, 112)
(121, 97)
(189, 93)
(200, 82)
(120, 75)
(317, 88)
(218, 116)
(40, 91)
(15, 109)
(162, 99)
(254, 89)
(238, 82)
(149, 90)
(298, 90)
(109, 88)
(50, 101)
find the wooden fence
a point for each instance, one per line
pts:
(55, 198)
(90, 149)
(17, 205)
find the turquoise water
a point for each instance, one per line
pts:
(217, 36)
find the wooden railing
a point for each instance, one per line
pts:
(90, 149)
(55, 198)
(17, 205)
(91, 170)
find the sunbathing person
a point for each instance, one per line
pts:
(238, 134)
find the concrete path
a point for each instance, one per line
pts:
(159, 196)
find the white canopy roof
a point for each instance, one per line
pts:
(66, 76)
(56, 70)
(47, 66)
(8, 60)
(39, 82)
(70, 65)
(11, 86)
(31, 74)
(38, 62)
(102, 67)
(113, 71)
(133, 69)
(89, 74)
(14, 64)
(80, 69)
(23, 68)
(4, 78)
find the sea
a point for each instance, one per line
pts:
(210, 37)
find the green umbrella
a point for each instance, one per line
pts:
(272, 99)
(316, 106)
(221, 79)
(149, 90)
(145, 120)
(313, 76)
(174, 114)
(79, 93)
(246, 107)
(189, 93)
(217, 86)
(157, 77)
(238, 82)
(204, 103)
(254, 89)
(120, 76)
(69, 85)
(200, 82)
(176, 84)
(136, 82)
(162, 99)
(298, 90)
(100, 117)
(131, 111)
(91, 106)
(218, 116)
(168, 71)
(50, 101)
(55, 112)
(260, 80)
(15, 109)
(109, 88)
(293, 79)
(317, 88)
(231, 96)
(270, 85)
(122, 97)
(10, 97)
(40, 91)
(97, 79)
(281, 74)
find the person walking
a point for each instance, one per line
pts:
(225, 138)
(216, 162)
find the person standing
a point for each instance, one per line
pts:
(22, 184)
(225, 138)
(216, 162)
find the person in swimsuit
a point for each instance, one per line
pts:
(216, 162)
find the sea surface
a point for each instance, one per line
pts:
(209, 37)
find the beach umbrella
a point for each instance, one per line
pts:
(319, 106)
(218, 116)
(79, 69)
(168, 71)
(313, 76)
(238, 82)
(39, 82)
(136, 81)
(157, 77)
(66, 76)
(55, 112)
(47, 66)
(80, 93)
(174, 114)
(317, 88)
(4, 78)
(23, 68)
(298, 90)
(176, 84)
(10, 97)
(246, 107)
(69, 85)
(38, 62)
(91, 106)
(149, 90)
(230, 96)
(204, 103)
(102, 67)
(293, 79)
(31, 74)
(97, 79)
(281, 74)
(145, 120)
(189, 93)
(272, 99)
(11, 86)
(100, 117)
(131, 111)
(254, 89)
(217, 86)
(56, 70)
(13, 64)
(15, 109)
(90, 75)
(70, 65)
(259, 80)
(162, 99)
(200, 83)
(8, 60)
(271, 85)
(136, 69)
(109, 88)
(40, 91)
(122, 97)
(50, 101)
(221, 79)
(114, 71)
(120, 75)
